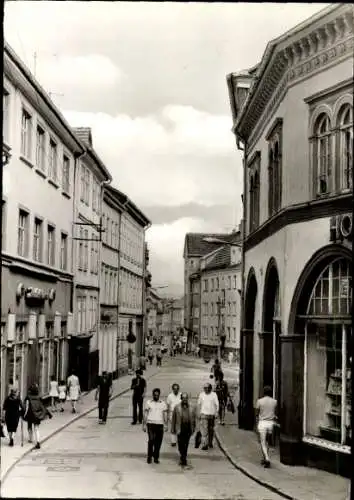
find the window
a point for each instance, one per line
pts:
(51, 245)
(346, 147)
(212, 285)
(235, 282)
(328, 339)
(82, 184)
(94, 196)
(3, 224)
(40, 148)
(81, 249)
(322, 141)
(229, 282)
(254, 188)
(37, 239)
(205, 285)
(23, 230)
(228, 334)
(87, 186)
(64, 251)
(5, 114)
(108, 222)
(26, 134)
(86, 237)
(274, 138)
(217, 284)
(66, 175)
(53, 161)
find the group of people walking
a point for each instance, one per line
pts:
(32, 409)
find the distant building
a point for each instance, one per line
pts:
(37, 206)
(220, 277)
(295, 124)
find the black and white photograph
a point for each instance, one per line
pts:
(176, 250)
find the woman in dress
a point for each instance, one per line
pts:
(35, 412)
(53, 392)
(62, 394)
(13, 410)
(73, 389)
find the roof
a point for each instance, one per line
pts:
(84, 134)
(222, 258)
(130, 207)
(195, 245)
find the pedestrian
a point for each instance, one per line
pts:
(73, 389)
(208, 408)
(158, 357)
(215, 370)
(183, 426)
(62, 394)
(53, 392)
(103, 395)
(198, 351)
(173, 399)
(266, 416)
(142, 363)
(14, 384)
(13, 410)
(231, 357)
(150, 355)
(138, 387)
(222, 392)
(155, 421)
(34, 413)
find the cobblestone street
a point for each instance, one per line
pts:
(91, 460)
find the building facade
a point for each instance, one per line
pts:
(37, 207)
(293, 116)
(85, 345)
(221, 301)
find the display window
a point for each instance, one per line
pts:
(328, 362)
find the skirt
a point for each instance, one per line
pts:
(74, 393)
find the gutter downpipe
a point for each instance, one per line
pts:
(99, 337)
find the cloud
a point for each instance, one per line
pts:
(94, 71)
(192, 158)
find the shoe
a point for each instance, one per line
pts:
(204, 447)
(211, 446)
(100, 422)
(11, 443)
(149, 460)
(173, 444)
(266, 464)
(37, 446)
(133, 423)
(73, 410)
(156, 461)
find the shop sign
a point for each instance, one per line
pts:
(344, 287)
(36, 294)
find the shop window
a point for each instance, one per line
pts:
(322, 155)
(345, 123)
(328, 338)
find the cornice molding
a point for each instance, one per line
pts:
(324, 46)
(254, 157)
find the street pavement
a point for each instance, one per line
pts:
(88, 460)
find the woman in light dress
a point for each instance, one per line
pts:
(73, 389)
(53, 392)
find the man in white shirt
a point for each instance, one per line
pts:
(155, 420)
(266, 415)
(173, 399)
(208, 408)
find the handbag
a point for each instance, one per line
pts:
(230, 405)
(198, 439)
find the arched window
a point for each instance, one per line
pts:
(256, 199)
(270, 181)
(345, 123)
(322, 154)
(328, 363)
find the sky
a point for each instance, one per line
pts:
(150, 80)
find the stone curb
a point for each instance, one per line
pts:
(66, 424)
(265, 484)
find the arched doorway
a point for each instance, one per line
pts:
(246, 397)
(271, 329)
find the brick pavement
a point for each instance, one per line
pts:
(11, 455)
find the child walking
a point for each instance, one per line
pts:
(53, 392)
(62, 394)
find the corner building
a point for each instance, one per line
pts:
(293, 117)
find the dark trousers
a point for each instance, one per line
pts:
(155, 435)
(137, 404)
(150, 359)
(103, 410)
(158, 361)
(183, 442)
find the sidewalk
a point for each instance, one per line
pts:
(87, 403)
(297, 482)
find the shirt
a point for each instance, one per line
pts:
(138, 386)
(104, 386)
(208, 403)
(266, 407)
(155, 411)
(172, 401)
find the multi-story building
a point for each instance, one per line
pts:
(85, 346)
(293, 116)
(153, 305)
(195, 246)
(132, 274)
(37, 207)
(220, 277)
(178, 316)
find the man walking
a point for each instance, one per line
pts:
(208, 408)
(266, 416)
(173, 399)
(103, 395)
(183, 426)
(155, 420)
(138, 387)
(158, 356)
(222, 392)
